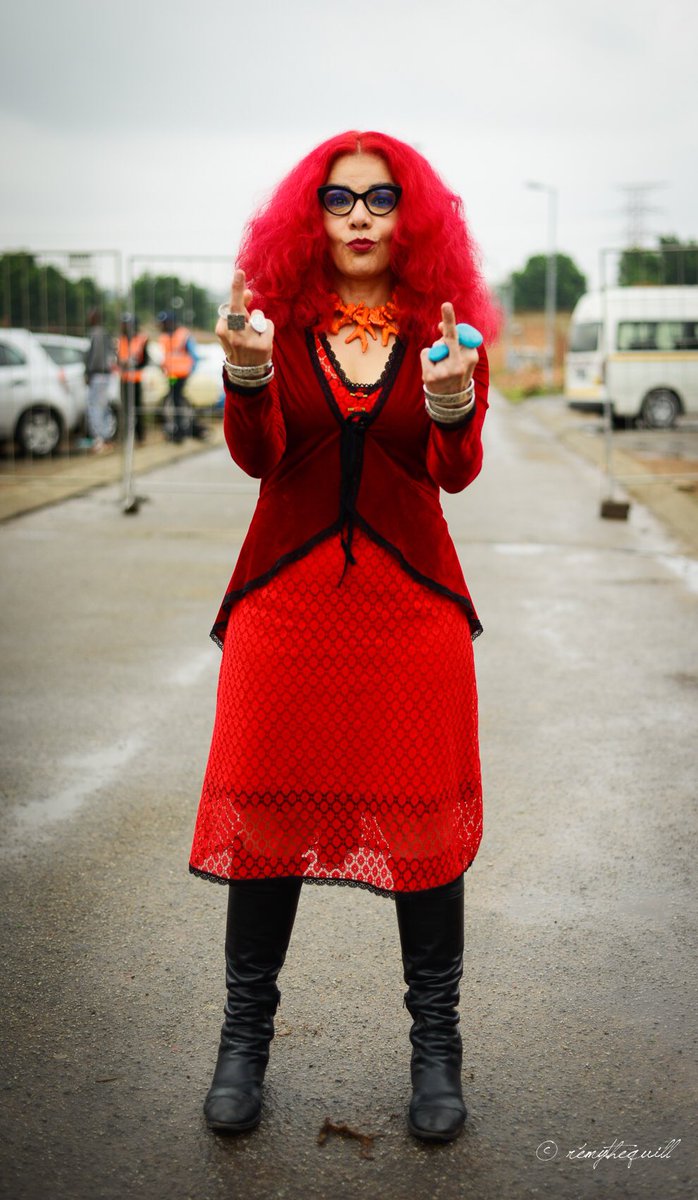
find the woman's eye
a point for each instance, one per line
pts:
(382, 199)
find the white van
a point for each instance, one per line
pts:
(638, 348)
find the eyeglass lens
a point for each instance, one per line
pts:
(378, 201)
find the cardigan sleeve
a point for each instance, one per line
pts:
(254, 427)
(454, 452)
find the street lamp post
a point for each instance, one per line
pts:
(550, 279)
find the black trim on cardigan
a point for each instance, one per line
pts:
(293, 556)
(352, 433)
(462, 601)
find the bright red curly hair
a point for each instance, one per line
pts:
(285, 252)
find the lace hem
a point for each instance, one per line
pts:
(320, 879)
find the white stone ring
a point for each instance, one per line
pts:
(258, 321)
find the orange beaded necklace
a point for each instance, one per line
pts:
(364, 319)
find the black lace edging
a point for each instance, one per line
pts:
(462, 601)
(321, 879)
(294, 555)
(259, 581)
(348, 383)
(391, 369)
(359, 883)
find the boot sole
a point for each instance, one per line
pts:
(428, 1135)
(227, 1127)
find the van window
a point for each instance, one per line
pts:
(584, 337)
(658, 335)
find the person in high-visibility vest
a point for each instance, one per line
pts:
(179, 359)
(132, 353)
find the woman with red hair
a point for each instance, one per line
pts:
(345, 745)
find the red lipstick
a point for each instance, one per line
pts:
(361, 245)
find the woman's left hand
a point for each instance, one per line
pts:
(453, 373)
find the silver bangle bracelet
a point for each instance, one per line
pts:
(448, 416)
(237, 371)
(446, 400)
(257, 382)
(447, 408)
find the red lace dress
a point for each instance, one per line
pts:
(345, 745)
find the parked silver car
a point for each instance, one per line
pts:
(37, 406)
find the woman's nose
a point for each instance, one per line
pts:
(360, 217)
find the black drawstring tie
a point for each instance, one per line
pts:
(351, 453)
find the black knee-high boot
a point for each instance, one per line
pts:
(261, 913)
(430, 923)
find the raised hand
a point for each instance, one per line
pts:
(454, 371)
(245, 346)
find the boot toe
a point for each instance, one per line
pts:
(232, 1110)
(436, 1122)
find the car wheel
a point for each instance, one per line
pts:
(39, 432)
(660, 408)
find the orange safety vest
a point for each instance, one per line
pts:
(177, 362)
(132, 350)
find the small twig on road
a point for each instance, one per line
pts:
(366, 1139)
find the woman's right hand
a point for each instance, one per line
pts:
(245, 347)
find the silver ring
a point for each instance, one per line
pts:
(235, 321)
(258, 321)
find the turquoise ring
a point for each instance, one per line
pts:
(468, 336)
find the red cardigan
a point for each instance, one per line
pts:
(324, 474)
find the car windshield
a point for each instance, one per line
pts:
(584, 337)
(63, 355)
(10, 356)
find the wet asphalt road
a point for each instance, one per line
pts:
(578, 1001)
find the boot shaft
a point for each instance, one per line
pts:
(260, 919)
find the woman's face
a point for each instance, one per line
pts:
(360, 241)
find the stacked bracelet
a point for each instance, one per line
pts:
(450, 409)
(249, 377)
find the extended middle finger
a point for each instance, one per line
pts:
(237, 293)
(448, 325)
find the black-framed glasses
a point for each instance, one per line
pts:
(379, 200)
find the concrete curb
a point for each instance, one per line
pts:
(670, 502)
(26, 487)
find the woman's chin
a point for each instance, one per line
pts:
(362, 266)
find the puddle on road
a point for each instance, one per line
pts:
(189, 673)
(90, 773)
(685, 568)
(521, 547)
(680, 565)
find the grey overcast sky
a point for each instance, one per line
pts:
(155, 128)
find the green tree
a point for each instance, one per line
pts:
(40, 297)
(157, 293)
(529, 284)
(672, 262)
